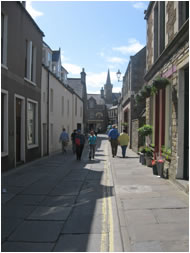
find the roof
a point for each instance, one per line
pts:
(113, 107)
(56, 55)
(21, 5)
(116, 96)
(97, 97)
(76, 85)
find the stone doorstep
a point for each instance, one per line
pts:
(182, 184)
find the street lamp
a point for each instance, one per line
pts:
(118, 75)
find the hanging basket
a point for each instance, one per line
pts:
(160, 82)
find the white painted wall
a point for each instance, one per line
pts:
(61, 116)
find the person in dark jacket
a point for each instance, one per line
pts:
(113, 136)
(73, 140)
(79, 141)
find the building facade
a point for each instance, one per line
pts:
(130, 114)
(168, 57)
(20, 86)
(60, 107)
(98, 106)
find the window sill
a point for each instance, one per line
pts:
(4, 66)
(33, 146)
(3, 154)
(29, 81)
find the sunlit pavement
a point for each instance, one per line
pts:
(106, 204)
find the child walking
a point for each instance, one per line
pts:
(92, 145)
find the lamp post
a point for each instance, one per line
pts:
(118, 75)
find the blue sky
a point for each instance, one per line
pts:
(96, 35)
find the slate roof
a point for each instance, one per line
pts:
(97, 97)
(75, 84)
(56, 55)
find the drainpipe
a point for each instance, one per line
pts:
(48, 114)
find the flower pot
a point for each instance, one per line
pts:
(160, 167)
(148, 161)
(143, 161)
(154, 170)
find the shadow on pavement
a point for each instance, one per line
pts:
(55, 204)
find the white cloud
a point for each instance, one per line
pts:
(116, 89)
(139, 5)
(133, 47)
(95, 81)
(34, 13)
(116, 60)
(72, 68)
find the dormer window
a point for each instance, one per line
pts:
(91, 104)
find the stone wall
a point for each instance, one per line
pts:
(149, 56)
(171, 12)
(135, 135)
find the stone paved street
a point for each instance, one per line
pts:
(106, 204)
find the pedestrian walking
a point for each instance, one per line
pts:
(92, 145)
(123, 141)
(64, 139)
(79, 141)
(73, 140)
(113, 136)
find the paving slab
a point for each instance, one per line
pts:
(83, 223)
(37, 231)
(17, 211)
(53, 213)
(67, 188)
(78, 243)
(27, 247)
(8, 225)
(64, 201)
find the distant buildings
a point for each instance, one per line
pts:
(98, 106)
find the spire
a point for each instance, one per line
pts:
(108, 78)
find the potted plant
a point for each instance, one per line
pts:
(142, 155)
(166, 152)
(159, 83)
(154, 167)
(145, 130)
(139, 98)
(148, 156)
(160, 165)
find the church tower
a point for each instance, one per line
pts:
(108, 90)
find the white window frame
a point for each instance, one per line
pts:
(31, 58)
(5, 36)
(5, 151)
(36, 144)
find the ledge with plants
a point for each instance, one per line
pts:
(148, 90)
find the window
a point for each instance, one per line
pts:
(4, 27)
(32, 118)
(51, 100)
(183, 12)
(75, 106)
(91, 104)
(159, 29)
(62, 106)
(4, 122)
(30, 61)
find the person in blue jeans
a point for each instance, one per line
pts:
(79, 141)
(64, 139)
(113, 136)
(92, 145)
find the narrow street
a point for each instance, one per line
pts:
(107, 204)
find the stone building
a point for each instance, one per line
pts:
(21, 57)
(98, 106)
(168, 57)
(129, 112)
